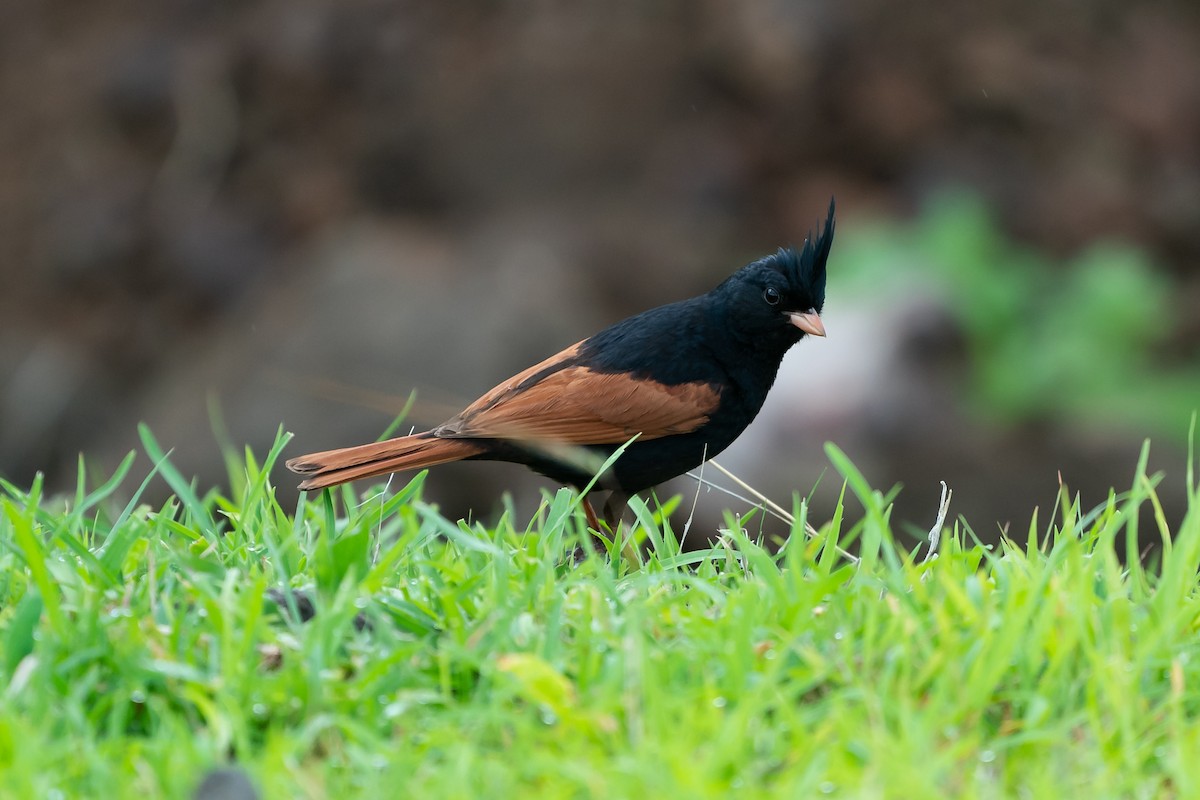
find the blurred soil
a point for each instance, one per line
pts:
(299, 211)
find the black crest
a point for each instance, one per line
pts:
(807, 267)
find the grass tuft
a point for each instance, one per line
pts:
(144, 646)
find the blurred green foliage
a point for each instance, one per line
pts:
(1045, 338)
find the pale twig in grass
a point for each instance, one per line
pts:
(935, 533)
(379, 528)
(767, 504)
(381, 495)
(696, 499)
(706, 483)
(779, 510)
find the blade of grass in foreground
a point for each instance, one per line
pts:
(182, 488)
(471, 660)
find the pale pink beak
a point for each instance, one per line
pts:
(808, 322)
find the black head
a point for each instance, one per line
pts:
(778, 299)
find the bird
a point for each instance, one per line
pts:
(674, 385)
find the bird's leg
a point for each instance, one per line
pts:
(592, 520)
(614, 508)
(597, 537)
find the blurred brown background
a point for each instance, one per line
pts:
(302, 210)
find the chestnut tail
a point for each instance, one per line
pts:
(331, 467)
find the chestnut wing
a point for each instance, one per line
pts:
(560, 400)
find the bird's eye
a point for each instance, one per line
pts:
(771, 295)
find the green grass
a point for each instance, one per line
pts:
(141, 647)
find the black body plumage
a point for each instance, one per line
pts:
(728, 338)
(686, 378)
